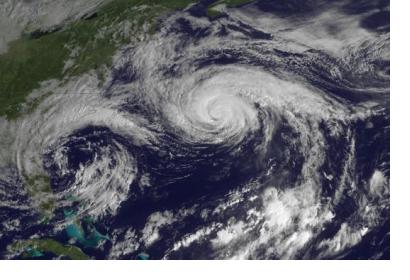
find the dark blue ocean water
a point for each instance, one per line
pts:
(203, 174)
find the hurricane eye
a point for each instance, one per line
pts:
(171, 129)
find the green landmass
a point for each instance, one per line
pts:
(81, 46)
(77, 48)
(31, 105)
(40, 191)
(36, 247)
(212, 12)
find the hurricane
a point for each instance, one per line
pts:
(252, 135)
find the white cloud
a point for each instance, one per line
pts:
(155, 221)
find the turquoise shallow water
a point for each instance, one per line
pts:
(75, 231)
(223, 138)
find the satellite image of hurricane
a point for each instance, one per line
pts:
(183, 129)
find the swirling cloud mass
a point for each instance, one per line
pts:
(258, 134)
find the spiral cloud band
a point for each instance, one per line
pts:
(223, 139)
